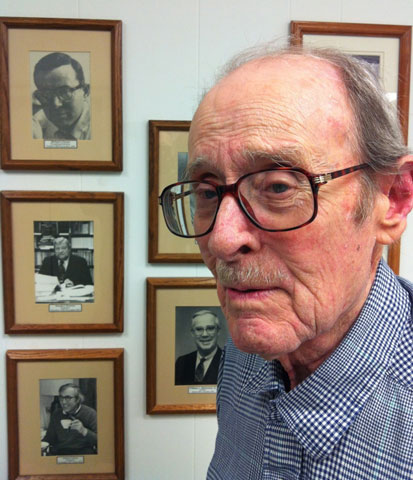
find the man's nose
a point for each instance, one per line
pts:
(233, 232)
(56, 102)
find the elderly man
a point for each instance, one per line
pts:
(73, 427)
(298, 178)
(201, 365)
(63, 96)
(68, 268)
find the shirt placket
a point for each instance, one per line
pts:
(283, 454)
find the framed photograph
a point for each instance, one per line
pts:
(168, 157)
(62, 261)
(387, 48)
(186, 331)
(61, 101)
(65, 414)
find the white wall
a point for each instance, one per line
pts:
(171, 49)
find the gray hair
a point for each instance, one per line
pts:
(378, 139)
(76, 387)
(200, 313)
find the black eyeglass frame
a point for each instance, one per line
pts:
(316, 181)
(66, 398)
(70, 90)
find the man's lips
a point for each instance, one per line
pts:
(238, 293)
(246, 288)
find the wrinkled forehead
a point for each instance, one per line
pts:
(303, 84)
(291, 99)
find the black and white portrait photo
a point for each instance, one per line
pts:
(68, 418)
(63, 259)
(60, 95)
(200, 334)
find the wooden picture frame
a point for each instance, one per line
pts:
(37, 130)
(168, 150)
(34, 378)
(172, 303)
(89, 295)
(390, 45)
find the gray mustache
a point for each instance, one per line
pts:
(248, 275)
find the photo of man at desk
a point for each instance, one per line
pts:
(63, 275)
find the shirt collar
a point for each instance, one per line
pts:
(321, 408)
(206, 357)
(73, 413)
(267, 378)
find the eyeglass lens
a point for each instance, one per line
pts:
(273, 199)
(66, 398)
(209, 330)
(64, 94)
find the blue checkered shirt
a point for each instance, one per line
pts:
(351, 419)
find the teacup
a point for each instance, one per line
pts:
(66, 422)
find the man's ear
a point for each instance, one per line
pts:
(86, 89)
(397, 191)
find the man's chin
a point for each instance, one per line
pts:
(256, 349)
(267, 343)
(63, 125)
(206, 351)
(62, 121)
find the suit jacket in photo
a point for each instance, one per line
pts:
(77, 270)
(185, 369)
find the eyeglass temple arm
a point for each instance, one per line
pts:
(326, 177)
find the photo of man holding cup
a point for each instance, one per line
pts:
(72, 429)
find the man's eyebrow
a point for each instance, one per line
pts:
(198, 164)
(287, 157)
(293, 157)
(282, 158)
(251, 159)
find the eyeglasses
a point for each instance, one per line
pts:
(274, 200)
(66, 398)
(64, 94)
(210, 330)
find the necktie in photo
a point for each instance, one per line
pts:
(61, 271)
(199, 371)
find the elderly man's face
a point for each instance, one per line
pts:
(62, 113)
(69, 400)
(205, 332)
(62, 250)
(281, 290)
